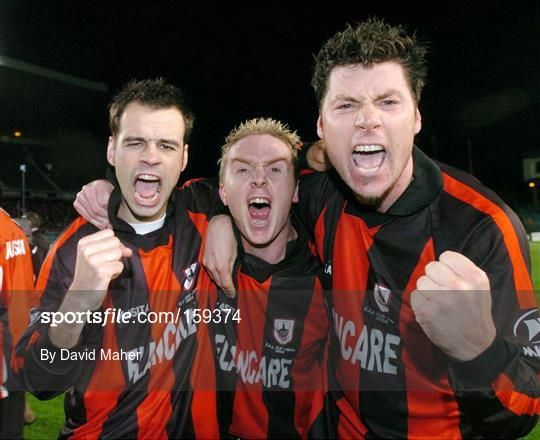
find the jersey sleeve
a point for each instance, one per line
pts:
(38, 363)
(498, 391)
(313, 193)
(201, 196)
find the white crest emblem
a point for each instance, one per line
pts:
(381, 295)
(528, 328)
(283, 330)
(190, 276)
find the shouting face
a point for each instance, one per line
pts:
(148, 154)
(368, 120)
(259, 187)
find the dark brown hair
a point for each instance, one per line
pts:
(155, 93)
(371, 42)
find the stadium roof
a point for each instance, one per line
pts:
(58, 117)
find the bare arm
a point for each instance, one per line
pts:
(220, 253)
(317, 158)
(91, 202)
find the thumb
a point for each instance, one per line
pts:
(126, 252)
(416, 299)
(228, 286)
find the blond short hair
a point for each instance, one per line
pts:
(268, 126)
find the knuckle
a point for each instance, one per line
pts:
(431, 267)
(480, 278)
(421, 283)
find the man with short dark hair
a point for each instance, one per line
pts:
(115, 325)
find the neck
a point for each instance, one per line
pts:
(398, 188)
(274, 251)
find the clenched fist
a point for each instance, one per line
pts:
(452, 304)
(98, 262)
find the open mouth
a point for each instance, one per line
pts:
(368, 158)
(147, 189)
(259, 210)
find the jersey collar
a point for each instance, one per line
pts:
(426, 184)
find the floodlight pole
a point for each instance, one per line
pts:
(23, 177)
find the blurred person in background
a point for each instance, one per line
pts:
(16, 285)
(39, 245)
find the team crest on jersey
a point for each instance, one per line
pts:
(528, 327)
(381, 294)
(283, 330)
(190, 273)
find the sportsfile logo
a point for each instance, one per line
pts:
(527, 327)
(162, 350)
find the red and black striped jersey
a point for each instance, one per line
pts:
(270, 360)
(142, 377)
(16, 289)
(394, 381)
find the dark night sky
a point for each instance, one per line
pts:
(239, 61)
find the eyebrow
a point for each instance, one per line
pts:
(248, 162)
(382, 95)
(389, 93)
(345, 98)
(141, 139)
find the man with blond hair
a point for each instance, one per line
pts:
(279, 287)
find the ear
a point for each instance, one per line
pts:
(111, 149)
(222, 194)
(320, 131)
(417, 121)
(185, 157)
(295, 198)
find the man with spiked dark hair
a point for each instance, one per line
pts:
(432, 301)
(432, 331)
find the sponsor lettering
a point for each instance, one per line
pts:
(15, 248)
(162, 350)
(373, 349)
(272, 372)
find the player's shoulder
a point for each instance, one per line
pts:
(9, 227)
(320, 188)
(199, 195)
(463, 188)
(461, 184)
(70, 236)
